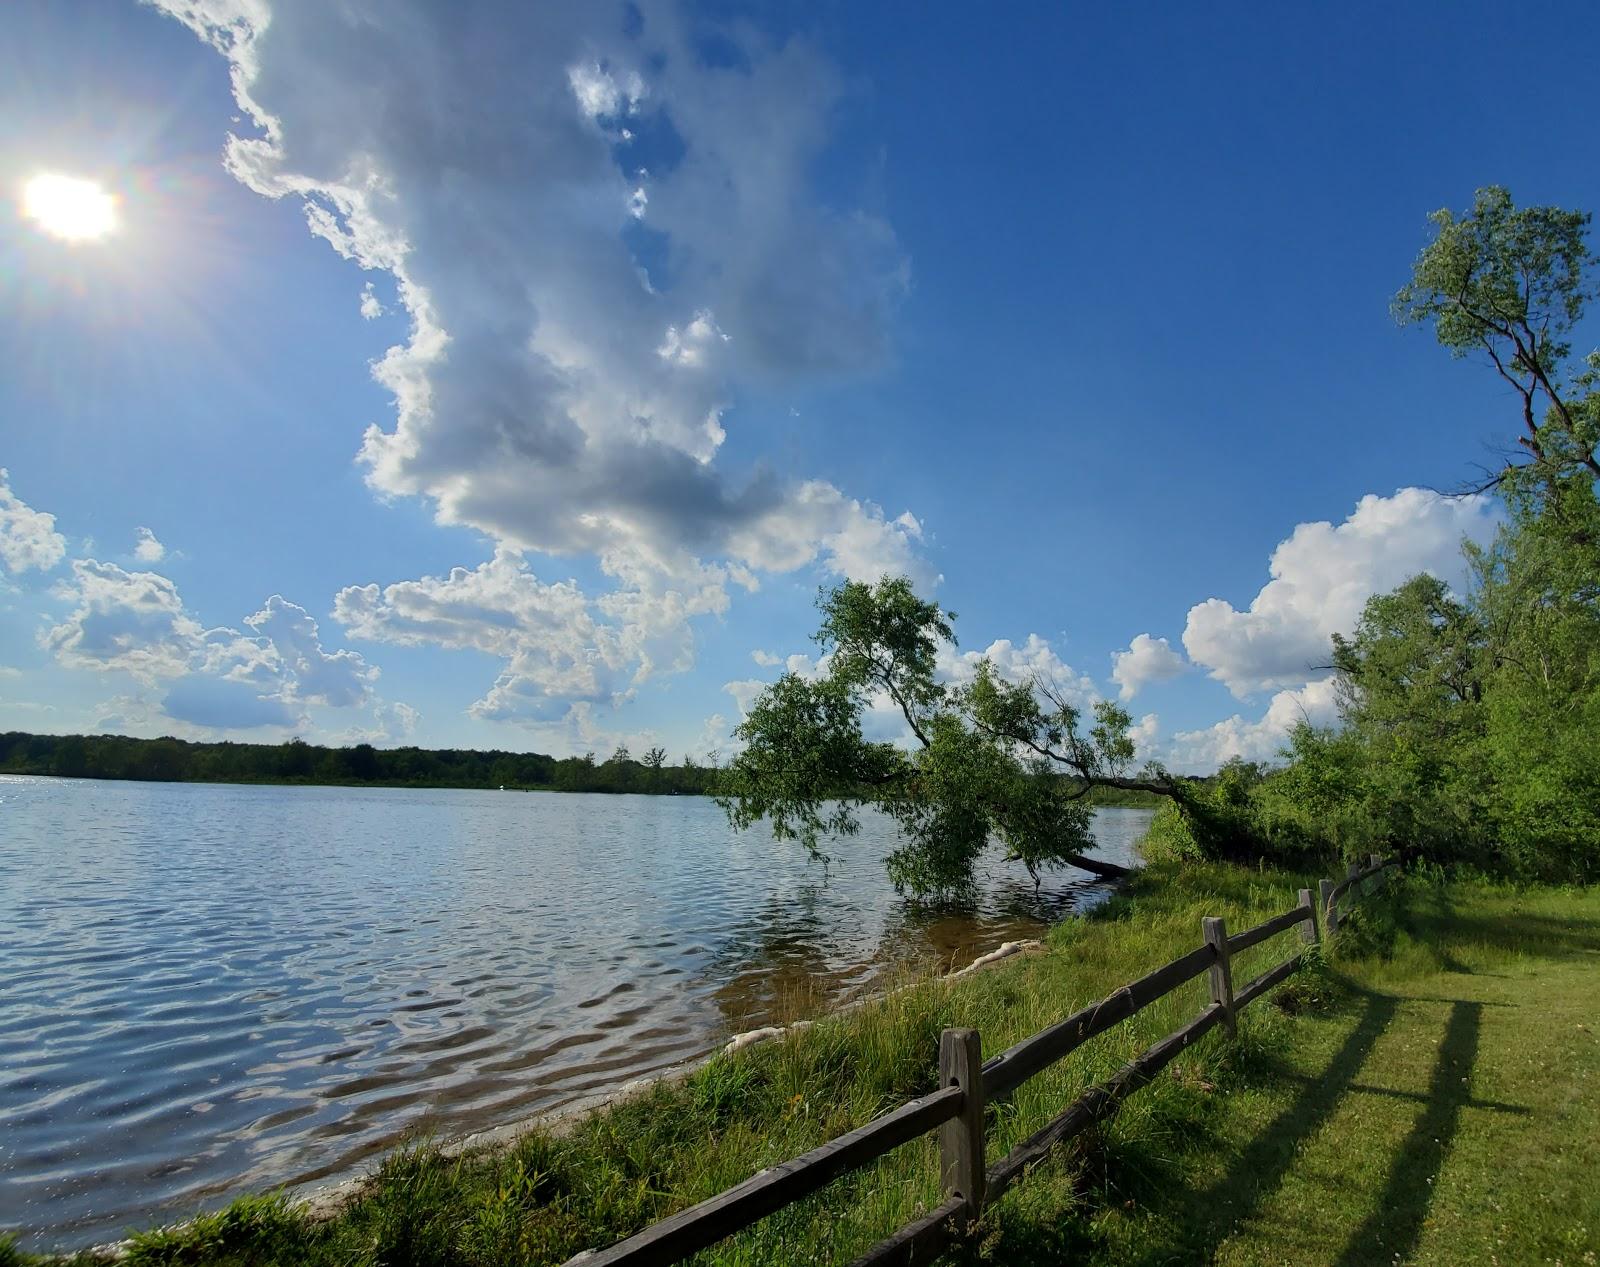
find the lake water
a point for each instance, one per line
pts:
(210, 989)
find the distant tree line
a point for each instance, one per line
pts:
(180, 761)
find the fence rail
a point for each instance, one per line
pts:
(955, 1110)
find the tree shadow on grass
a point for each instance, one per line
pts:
(1542, 935)
(1206, 1216)
(1198, 1220)
(1392, 1230)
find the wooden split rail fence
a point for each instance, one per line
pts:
(967, 1083)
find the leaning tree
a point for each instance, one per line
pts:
(988, 759)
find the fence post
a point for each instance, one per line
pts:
(961, 1163)
(1380, 881)
(1330, 916)
(1308, 926)
(1215, 931)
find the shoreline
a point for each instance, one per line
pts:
(323, 1200)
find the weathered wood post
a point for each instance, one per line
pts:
(1380, 881)
(961, 1163)
(1330, 916)
(1215, 931)
(1308, 926)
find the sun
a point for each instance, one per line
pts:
(69, 208)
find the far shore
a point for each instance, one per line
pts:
(299, 764)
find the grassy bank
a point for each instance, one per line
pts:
(1431, 1095)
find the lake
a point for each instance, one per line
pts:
(207, 989)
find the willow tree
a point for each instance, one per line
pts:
(989, 759)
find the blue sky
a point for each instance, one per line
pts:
(652, 320)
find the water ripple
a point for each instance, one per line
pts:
(210, 989)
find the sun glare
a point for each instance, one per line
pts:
(69, 208)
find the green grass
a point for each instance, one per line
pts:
(1431, 1095)
(1443, 1108)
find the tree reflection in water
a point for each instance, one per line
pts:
(792, 958)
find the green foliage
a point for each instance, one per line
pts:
(1513, 283)
(1471, 723)
(993, 760)
(177, 760)
(1238, 815)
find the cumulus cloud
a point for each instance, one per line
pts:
(571, 363)
(1146, 733)
(386, 724)
(766, 659)
(1147, 660)
(371, 306)
(560, 646)
(716, 742)
(1322, 576)
(28, 537)
(128, 621)
(1202, 751)
(1034, 661)
(136, 623)
(147, 549)
(339, 679)
(399, 720)
(744, 692)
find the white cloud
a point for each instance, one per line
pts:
(744, 693)
(340, 679)
(693, 346)
(1034, 661)
(808, 667)
(716, 743)
(389, 724)
(1322, 576)
(1145, 733)
(560, 646)
(147, 549)
(545, 396)
(551, 393)
(599, 93)
(766, 659)
(853, 538)
(136, 623)
(128, 621)
(28, 537)
(1202, 751)
(371, 306)
(1147, 660)
(401, 719)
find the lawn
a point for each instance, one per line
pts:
(1442, 1105)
